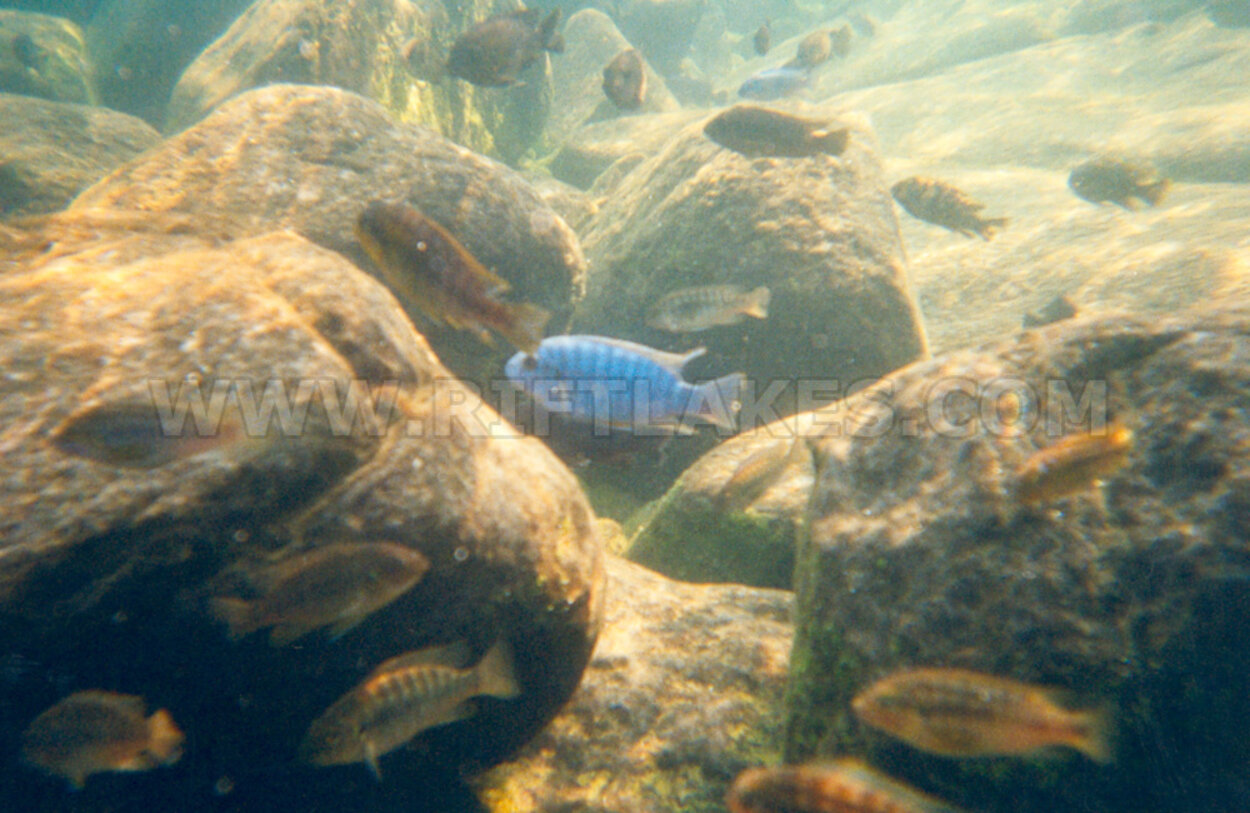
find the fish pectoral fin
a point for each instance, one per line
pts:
(345, 625)
(371, 759)
(463, 711)
(285, 634)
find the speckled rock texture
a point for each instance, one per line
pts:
(393, 51)
(50, 151)
(591, 42)
(55, 65)
(107, 568)
(1132, 595)
(819, 231)
(311, 159)
(591, 149)
(684, 691)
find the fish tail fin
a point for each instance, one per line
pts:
(720, 400)
(496, 673)
(164, 738)
(237, 614)
(551, 40)
(832, 142)
(528, 322)
(1154, 192)
(371, 759)
(757, 302)
(1095, 730)
(990, 226)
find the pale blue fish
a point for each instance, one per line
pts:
(774, 83)
(621, 384)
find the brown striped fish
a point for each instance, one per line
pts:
(843, 786)
(690, 310)
(1073, 463)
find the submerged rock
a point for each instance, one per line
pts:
(683, 692)
(920, 554)
(343, 429)
(661, 29)
(46, 57)
(311, 159)
(52, 151)
(592, 148)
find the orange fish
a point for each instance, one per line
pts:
(96, 731)
(1073, 463)
(960, 713)
(843, 786)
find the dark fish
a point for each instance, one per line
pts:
(27, 52)
(403, 697)
(95, 731)
(1056, 310)
(842, 786)
(625, 80)
(763, 39)
(1073, 463)
(690, 310)
(956, 712)
(943, 205)
(616, 383)
(336, 586)
(429, 269)
(864, 25)
(494, 52)
(817, 47)
(774, 83)
(132, 435)
(758, 131)
(1107, 179)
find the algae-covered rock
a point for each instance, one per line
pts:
(44, 56)
(819, 232)
(592, 148)
(338, 426)
(1129, 596)
(683, 693)
(591, 42)
(52, 151)
(311, 159)
(142, 46)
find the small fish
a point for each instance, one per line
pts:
(774, 83)
(403, 697)
(131, 435)
(842, 786)
(817, 47)
(1073, 463)
(864, 25)
(494, 52)
(690, 310)
(335, 586)
(943, 205)
(625, 80)
(758, 471)
(960, 713)
(27, 52)
(1056, 310)
(757, 131)
(96, 731)
(429, 269)
(763, 39)
(1109, 179)
(616, 383)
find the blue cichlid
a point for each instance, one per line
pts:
(621, 384)
(774, 83)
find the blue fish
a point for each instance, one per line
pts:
(774, 83)
(621, 384)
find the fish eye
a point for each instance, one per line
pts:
(529, 363)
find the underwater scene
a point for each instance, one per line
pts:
(625, 406)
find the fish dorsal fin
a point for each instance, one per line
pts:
(456, 655)
(673, 362)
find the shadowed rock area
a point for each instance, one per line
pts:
(920, 553)
(118, 534)
(50, 64)
(52, 151)
(684, 691)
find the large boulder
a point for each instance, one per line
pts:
(591, 149)
(684, 691)
(343, 429)
(921, 552)
(311, 159)
(819, 231)
(44, 56)
(52, 151)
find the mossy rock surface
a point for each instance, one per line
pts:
(53, 64)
